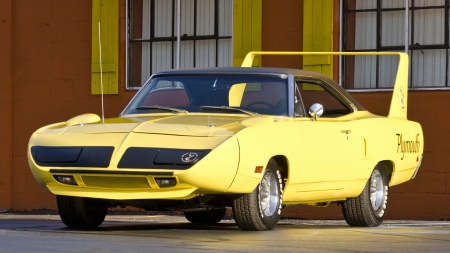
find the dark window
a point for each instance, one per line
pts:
(205, 36)
(312, 93)
(379, 25)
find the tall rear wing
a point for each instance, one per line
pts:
(399, 99)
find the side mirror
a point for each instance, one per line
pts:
(316, 110)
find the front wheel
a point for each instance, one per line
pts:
(80, 212)
(261, 209)
(369, 208)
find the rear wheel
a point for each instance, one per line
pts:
(205, 216)
(78, 212)
(261, 209)
(369, 208)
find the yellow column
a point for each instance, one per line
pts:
(318, 35)
(247, 30)
(107, 13)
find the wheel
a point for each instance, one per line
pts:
(80, 212)
(261, 103)
(369, 208)
(205, 216)
(261, 209)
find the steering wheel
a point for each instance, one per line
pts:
(271, 106)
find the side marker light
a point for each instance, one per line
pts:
(259, 169)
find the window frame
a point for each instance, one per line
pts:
(173, 38)
(412, 47)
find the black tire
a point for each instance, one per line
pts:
(370, 207)
(261, 209)
(77, 212)
(205, 216)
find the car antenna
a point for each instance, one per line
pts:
(101, 71)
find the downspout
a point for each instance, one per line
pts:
(178, 32)
(341, 19)
(406, 26)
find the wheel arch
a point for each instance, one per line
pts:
(389, 165)
(283, 164)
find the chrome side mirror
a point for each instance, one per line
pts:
(316, 110)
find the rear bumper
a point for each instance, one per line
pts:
(418, 167)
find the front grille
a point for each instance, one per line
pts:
(76, 156)
(116, 182)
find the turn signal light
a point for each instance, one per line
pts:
(259, 169)
(166, 182)
(66, 180)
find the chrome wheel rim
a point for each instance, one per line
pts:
(376, 190)
(268, 194)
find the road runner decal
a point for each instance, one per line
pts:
(189, 157)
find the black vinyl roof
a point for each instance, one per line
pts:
(243, 70)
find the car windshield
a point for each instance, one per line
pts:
(238, 94)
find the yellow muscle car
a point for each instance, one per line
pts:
(251, 139)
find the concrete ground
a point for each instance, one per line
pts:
(172, 233)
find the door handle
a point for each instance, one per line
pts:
(346, 131)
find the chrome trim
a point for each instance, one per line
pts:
(418, 167)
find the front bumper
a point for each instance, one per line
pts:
(213, 173)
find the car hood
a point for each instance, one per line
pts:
(185, 125)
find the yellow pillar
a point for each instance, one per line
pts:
(247, 30)
(107, 13)
(318, 35)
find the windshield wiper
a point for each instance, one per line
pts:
(157, 107)
(227, 108)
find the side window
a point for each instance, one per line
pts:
(269, 97)
(314, 93)
(263, 95)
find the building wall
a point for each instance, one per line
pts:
(50, 82)
(6, 42)
(45, 78)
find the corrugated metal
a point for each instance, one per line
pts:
(205, 17)
(187, 54)
(366, 4)
(186, 18)
(429, 26)
(365, 72)
(225, 15)
(393, 28)
(146, 57)
(429, 3)
(205, 53)
(388, 71)
(163, 18)
(366, 30)
(428, 68)
(225, 46)
(161, 56)
(394, 3)
(225, 58)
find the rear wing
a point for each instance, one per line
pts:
(399, 101)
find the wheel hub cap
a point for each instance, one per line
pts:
(376, 190)
(268, 192)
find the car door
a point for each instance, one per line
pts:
(327, 139)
